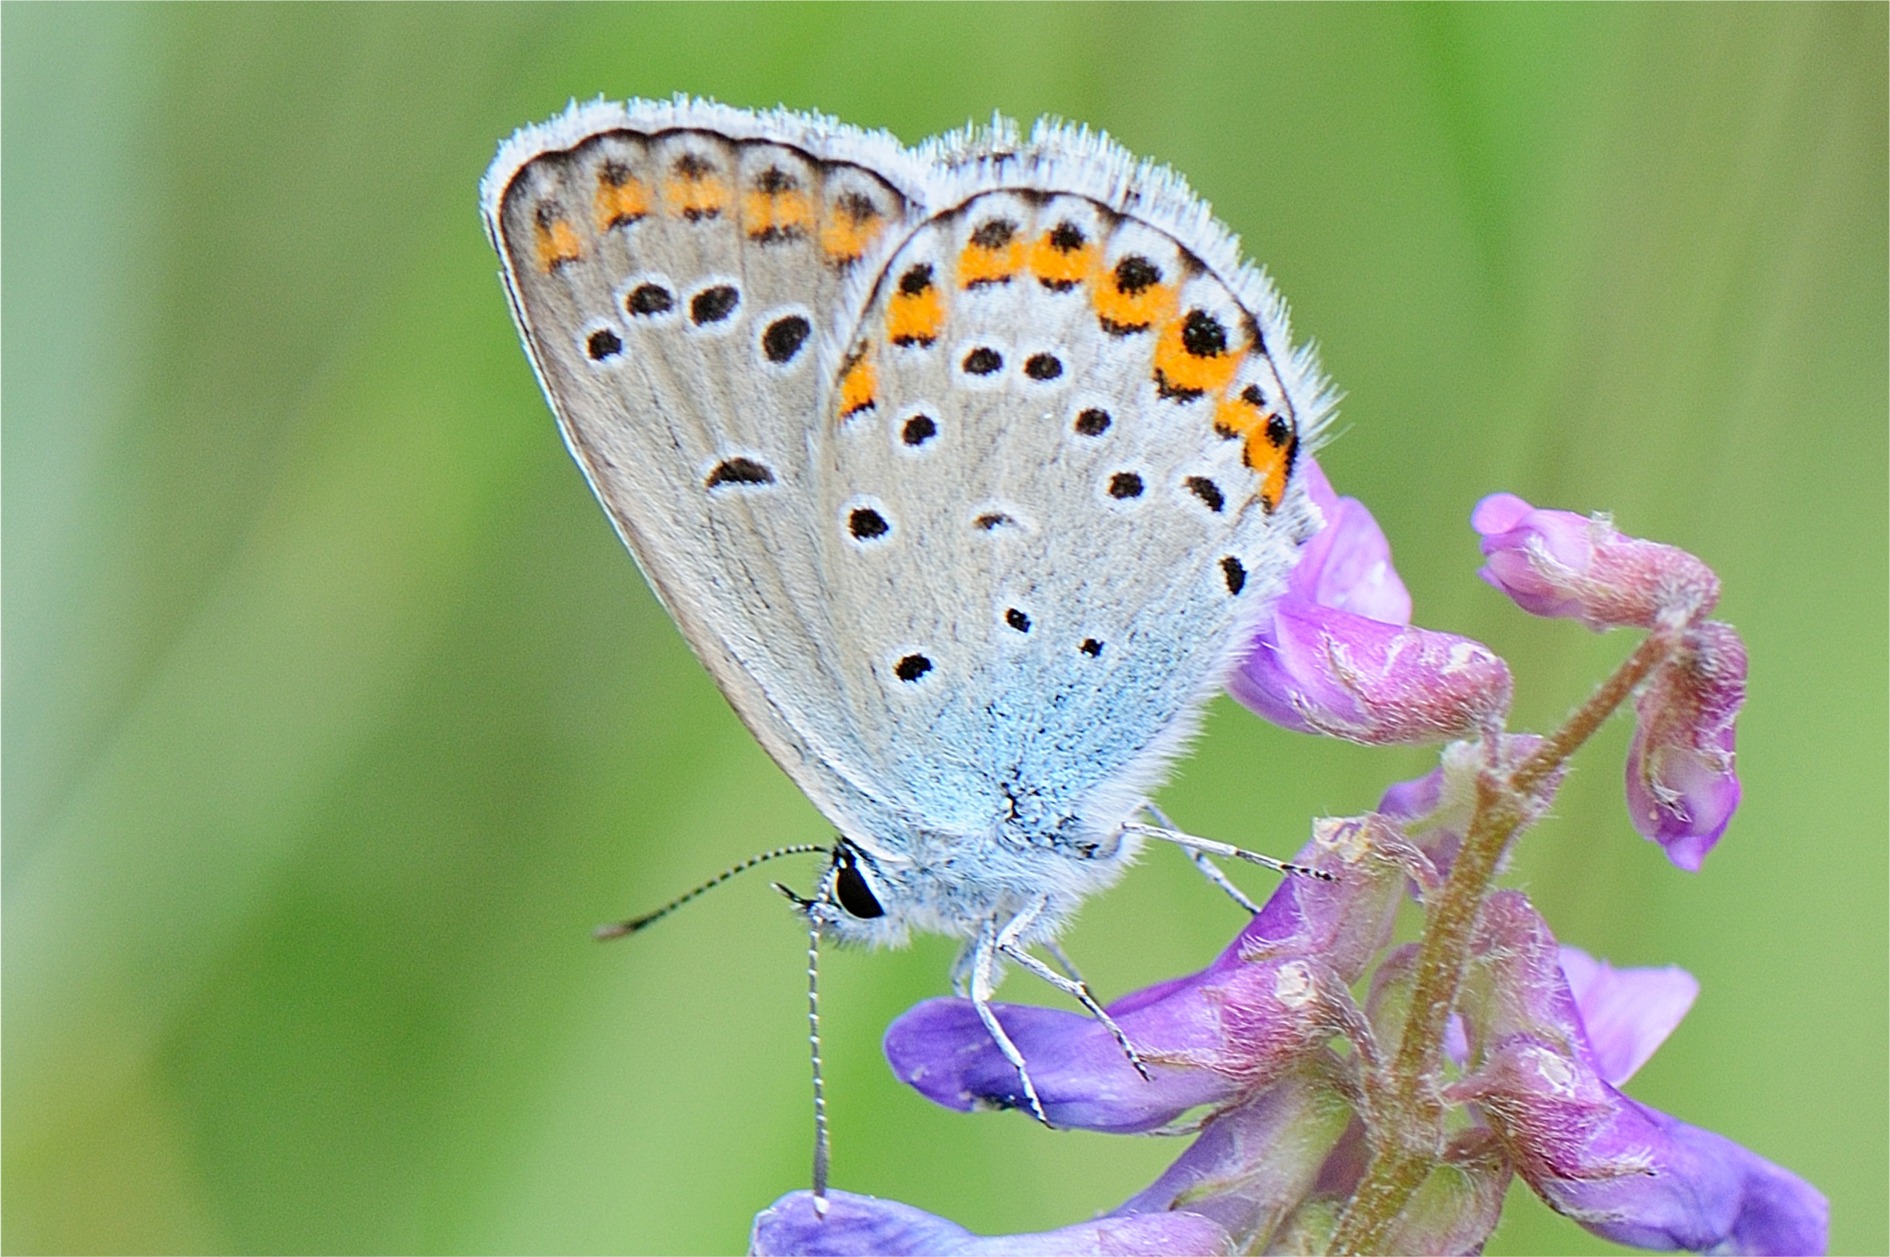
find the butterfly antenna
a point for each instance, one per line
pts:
(618, 929)
(1207, 846)
(822, 1145)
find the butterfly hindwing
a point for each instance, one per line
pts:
(1054, 476)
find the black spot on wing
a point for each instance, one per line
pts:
(738, 471)
(784, 337)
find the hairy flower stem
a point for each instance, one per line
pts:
(1409, 1138)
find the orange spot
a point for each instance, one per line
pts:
(982, 264)
(1185, 371)
(695, 196)
(854, 224)
(620, 199)
(1270, 462)
(1059, 268)
(1133, 311)
(776, 215)
(914, 318)
(845, 241)
(557, 243)
(859, 387)
(1234, 416)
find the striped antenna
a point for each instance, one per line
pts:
(620, 928)
(816, 910)
(822, 1147)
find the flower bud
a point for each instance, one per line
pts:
(1434, 811)
(1335, 654)
(1252, 1164)
(1567, 566)
(1320, 670)
(1458, 1204)
(1681, 785)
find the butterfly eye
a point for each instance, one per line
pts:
(850, 888)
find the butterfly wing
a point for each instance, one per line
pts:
(961, 469)
(676, 270)
(1057, 476)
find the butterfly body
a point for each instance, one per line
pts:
(961, 468)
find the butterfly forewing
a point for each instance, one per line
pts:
(676, 287)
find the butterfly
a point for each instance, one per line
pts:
(963, 468)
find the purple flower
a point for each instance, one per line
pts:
(865, 1226)
(1547, 1033)
(1622, 1170)
(1276, 1170)
(1255, 1164)
(1274, 996)
(1567, 566)
(1298, 1084)
(1336, 653)
(1681, 787)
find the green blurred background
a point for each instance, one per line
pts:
(335, 715)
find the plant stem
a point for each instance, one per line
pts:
(1411, 1136)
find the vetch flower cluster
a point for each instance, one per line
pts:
(1483, 1052)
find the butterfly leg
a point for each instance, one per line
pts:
(1212, 872)
(1078, 990)
(983, 985)
(962, 965)
(1209, 869)
(1207, 846)
(1060, 960)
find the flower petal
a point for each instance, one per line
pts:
(1347, 564)
(1316, 669)
(865, 1226)
(1626, 1012)
(942, 1049)
(861, 1225)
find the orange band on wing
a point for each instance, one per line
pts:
(1234, 416)
(845, 239)
(979, 264)
(1271, 463)
(914, 318)
(695, 197)
(557, 243)
(1060, 268)
(1122, 310)
(1269, 444)
(620, 198)
(859, 388)
(1189, 362)
(776, 215)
